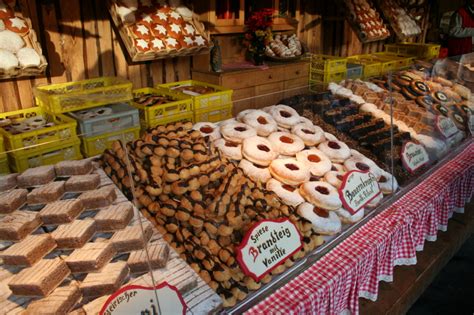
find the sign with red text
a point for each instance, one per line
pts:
(267, 245)
(414, 156)
(136, 299)
(358, 188)
(446, 126)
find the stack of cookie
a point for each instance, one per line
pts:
(201, 202)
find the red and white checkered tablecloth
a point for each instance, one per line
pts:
(355, 266)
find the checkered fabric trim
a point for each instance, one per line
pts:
(354, 267)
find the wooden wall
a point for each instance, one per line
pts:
(79, 43)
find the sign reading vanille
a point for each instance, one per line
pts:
(267, 245)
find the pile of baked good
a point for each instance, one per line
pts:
(68, 240)
(370, 26)
(18, 47)
(152, 99)
(194, 89)
(155, 28)
(284, 46)
(402, 23)
(26, 125)
(202, 203)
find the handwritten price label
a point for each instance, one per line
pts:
(267, 245)
(414, 156)
(446, 126)
(358, 189)
(136, 299)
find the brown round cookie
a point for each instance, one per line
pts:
(458, 120)
(141, 31)
(420, 88)
(440, 109)
(408, 93)
(440, 97)
(425, 101)
(403, 80)
(17, 25)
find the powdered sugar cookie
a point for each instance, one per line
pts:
(310, 134)
(258, 150)
(237, 132)
(28, 57)
(7, 60)
(228, 149)
(289, 171)
(262, 122)
(289, 195)
(321, 194)
(208, 129)
(324, 222)
(256, 172)
(286, 143)
(317, 162)
(11, 41)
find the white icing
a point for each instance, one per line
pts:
(327, 226)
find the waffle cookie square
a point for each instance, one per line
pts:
(61, 211)
(60, 301)
(8, 182)
(99, 198)
(41, 279)
(29, 251)
(69, 168)
(114, 217)
(107, 281)
(75, 234)
(131, 238)
(91, 257)
(79, 183)
(12, 200)
(46, 193)
(18, 224)
(40, 175)
(158, 253)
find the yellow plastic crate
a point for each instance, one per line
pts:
(328, 77)
(92, 146)
(327, 63)
(36, 140)
(214, 114)
(20, 161)
(393, 62)
(317, 87)
(73, 96)
(371, 68)
(4, 169)
(151, 116)
(188, 116)
(220, 97)
(421, 51)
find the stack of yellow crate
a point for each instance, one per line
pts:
(4, 169)
(213, 106)
(97, 133)
(50, 144)
(325, 69)
(180, 109)
(421, 51)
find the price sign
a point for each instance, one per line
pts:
(136, 299)
(414, 156)
(267, 245)
(357, 190)
(446, 126)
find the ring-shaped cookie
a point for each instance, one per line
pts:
(286, 143)
(361, 163)
(228, 149)
(348, 218)
(388, 183)
(324, 222)
(258, 150)
(261, 121)
(336, 151)
(310, 134)
(289, 171)
(289, 195)
(285, 116)
(208, 129)
(256, 172)
(237, 132)
(317, 162)
(334, 178)
(321, 194)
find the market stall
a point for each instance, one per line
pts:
(230, 157)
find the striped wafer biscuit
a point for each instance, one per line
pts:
(12, 200)
(60, 301)
(18, 224)
(82, 182)
(46, 193)
(61, 211)
(158, 253)
(99, 198)
(107, 281)
(29, 251)
(131, 237)
(91, 257)
(36, 176)
(114, 217)
(69, 168)
(75, 234)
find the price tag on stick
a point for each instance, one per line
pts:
(136, 299)
(267, 245)
(413, 156)
(357, 190)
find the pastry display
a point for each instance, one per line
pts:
(284, 46)
(368, 23)
(20, 52)
(60, 260)
(158, 30)
(402, 23)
